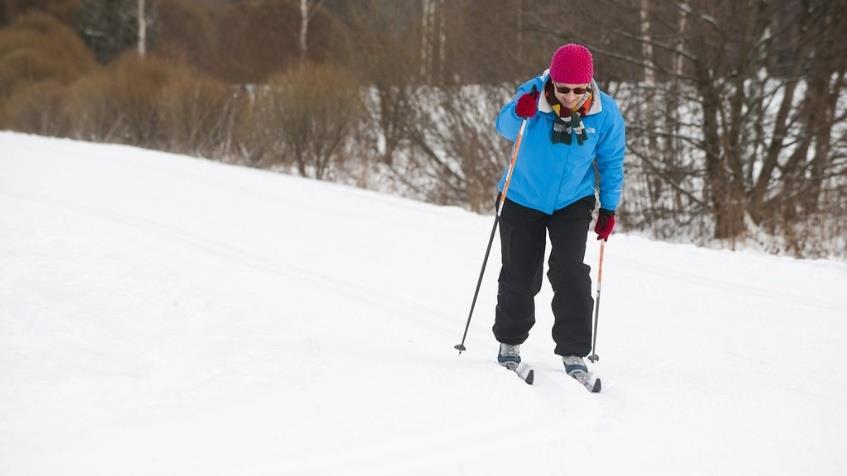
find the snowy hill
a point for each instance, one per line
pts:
(167, 315)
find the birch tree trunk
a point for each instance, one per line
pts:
(433, 41)
(649, 139)
(142, 29)
(304, 29)
(427, 23)
(675, 145)
(442, 42)
(682, 26)
(307, 12)
(646, 46)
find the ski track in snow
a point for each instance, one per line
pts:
(166, 315)
(239, 257)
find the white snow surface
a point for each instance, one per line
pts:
(163, 315)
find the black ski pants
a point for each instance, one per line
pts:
(523, 238)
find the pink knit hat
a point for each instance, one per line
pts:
(572, 64)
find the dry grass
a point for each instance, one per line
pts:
(39, 108)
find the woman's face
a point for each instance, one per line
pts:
(569, 95)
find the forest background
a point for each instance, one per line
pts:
(735, 109)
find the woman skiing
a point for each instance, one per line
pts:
(573, 130)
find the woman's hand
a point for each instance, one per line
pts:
(527, 104)
(605, 224)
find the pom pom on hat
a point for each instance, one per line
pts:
(572, 64)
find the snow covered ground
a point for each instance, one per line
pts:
(167, 315)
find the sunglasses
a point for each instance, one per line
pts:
(565, 90)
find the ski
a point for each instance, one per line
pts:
(524, 372)
(588, 380)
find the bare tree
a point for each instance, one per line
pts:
(312, 123)
(307, 12)
(647, 46)
(760, 149)
(739, 124)
(142, 29)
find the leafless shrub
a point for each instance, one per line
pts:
(454, 148)
(39, 108)
(197, 114)
(37, 47)
(306, 116)
(153, 103)
(121, 102)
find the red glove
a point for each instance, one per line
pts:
(527, 104)
(605, 224)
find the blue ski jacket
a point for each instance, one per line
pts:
(550, 176)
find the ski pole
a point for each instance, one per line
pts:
(461, 347)
(593, 357)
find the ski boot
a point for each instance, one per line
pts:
(576, 368)
(574, 364)
(509, 356)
